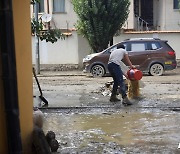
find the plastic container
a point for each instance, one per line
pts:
(134, 74)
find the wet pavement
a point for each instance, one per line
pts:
(115, 131)
(85, 121)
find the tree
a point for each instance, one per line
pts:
(99, 20)
(50, 35)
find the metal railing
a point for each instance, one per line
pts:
(142, 25)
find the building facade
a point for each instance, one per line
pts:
(161, 15)
(145, 16)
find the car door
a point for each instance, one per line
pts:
(138, 54)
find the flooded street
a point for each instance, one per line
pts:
(85, 121)
(125, 131)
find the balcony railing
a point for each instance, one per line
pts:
(141, 25)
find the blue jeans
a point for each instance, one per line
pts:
(117, 76)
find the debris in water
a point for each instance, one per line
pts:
(106, 93)
(133, 87)
(106, 89)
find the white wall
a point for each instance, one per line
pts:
(83, 49)
(129, 24)
(61, 52)
(165, 17)
(65, 20)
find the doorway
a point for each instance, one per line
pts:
(144, 9)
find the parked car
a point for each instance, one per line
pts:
(150, 55)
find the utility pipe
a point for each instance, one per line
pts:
(48, 13)
(36, 10)
(9, 77)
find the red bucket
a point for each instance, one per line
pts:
(134, 74)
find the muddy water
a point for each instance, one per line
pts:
(115, 131)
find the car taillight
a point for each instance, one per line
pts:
(171, 53)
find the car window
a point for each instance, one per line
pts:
(138, 46)
(155, 45)
(125, 45)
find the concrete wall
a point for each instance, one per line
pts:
(64, 20)
(173, 39)
(61, 52)
(69, 51)
(129, 24)
(83, 49)
(165, 17)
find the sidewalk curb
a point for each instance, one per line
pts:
(61, 73)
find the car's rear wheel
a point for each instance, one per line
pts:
(156, 70)
(97, 70)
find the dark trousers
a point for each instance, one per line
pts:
(117, 76)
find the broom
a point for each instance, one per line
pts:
(41, 94)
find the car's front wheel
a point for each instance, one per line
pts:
(97, 70)
(156, 70)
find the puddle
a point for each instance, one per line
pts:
(127, 131)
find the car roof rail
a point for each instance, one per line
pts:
(133, 39)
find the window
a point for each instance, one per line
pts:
(41, 6)
(155, 46)
(176, 4)
(58, 5)
(138, 47)
(127, 46)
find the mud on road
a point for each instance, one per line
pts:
(85, 121)
(70, 89)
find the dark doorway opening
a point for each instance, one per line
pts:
(147, 11)
(144, 9)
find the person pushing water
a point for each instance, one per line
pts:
(117, 69)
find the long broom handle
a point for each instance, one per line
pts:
(37, 81)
